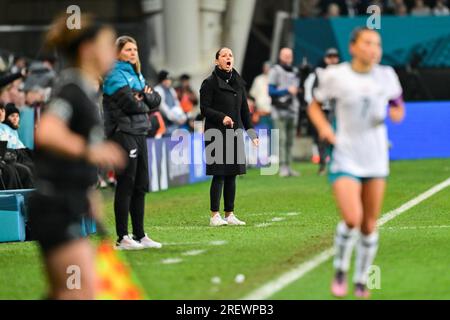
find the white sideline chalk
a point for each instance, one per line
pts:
(272, 287)
(210, 243)
(171, 261)
(415, 228)
(193, 253)
(263, 225)
(292, 214)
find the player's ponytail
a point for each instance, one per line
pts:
(67, 41)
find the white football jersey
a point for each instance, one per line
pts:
(361, 101)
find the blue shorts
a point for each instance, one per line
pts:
(333, 177)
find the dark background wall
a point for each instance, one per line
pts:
(35, 16)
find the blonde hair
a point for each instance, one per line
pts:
(121, 42)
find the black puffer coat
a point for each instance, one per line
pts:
(122, 112)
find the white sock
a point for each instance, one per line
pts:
(365, 254)
(344, 243)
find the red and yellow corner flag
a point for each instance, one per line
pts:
(115, 280)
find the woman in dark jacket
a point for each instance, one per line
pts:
(223, 103)
(126, 103)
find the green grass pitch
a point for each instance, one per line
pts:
(288, 222)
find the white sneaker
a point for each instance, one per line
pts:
(149, 243)
(127, 243)
(284, 172)
(234, 221)
(293, 173)
(217, 221)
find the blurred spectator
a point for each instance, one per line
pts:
(379, 4)
(320, 148)
(157, 127)
(284, 84)
(35, 96)
(41, 74)
(17, 163)
(337, 7)
(441, 9)
(420, 9)
(13, 93)
(35, 99)
(352, 7)
(254, 116)
(9, 134)
(170, 108)
(28, 103)
(187, 97)
(309, 8)
(400, 8)
(12, 117)
(9, 176)
(19, 64)
(333, 10)
(260, 91)
(7, 79)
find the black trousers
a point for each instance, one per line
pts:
(228, 184)
(132, 185)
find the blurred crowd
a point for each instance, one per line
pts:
(25, 88)
(336, 8)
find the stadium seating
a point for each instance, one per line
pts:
(13, 216)
(12, 220)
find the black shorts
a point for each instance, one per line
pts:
(57, 219)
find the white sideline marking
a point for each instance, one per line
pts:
(273, 213)
(171, 261)
(263, 225)
(218, 243)
(188, 228)
(416, 228)
(207, 227)
(278, 219)
(270, 288)
(210, 243)
(292, 214)
(193, 253)
(261, 214)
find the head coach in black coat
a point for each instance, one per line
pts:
(223, 103)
